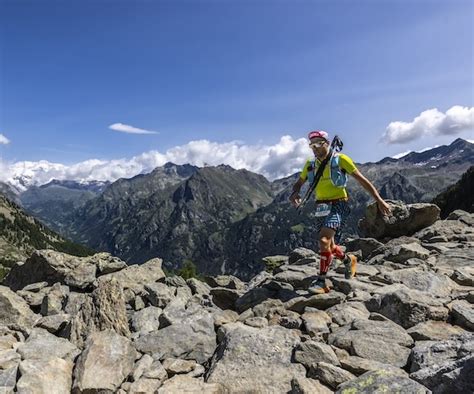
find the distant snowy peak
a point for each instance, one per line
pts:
(458, 150)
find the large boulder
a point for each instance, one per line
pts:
(104, 309)
(250, 359)
(51, 266)
(407, 307)
(445, 366)
(135, 277)
(15, 310)
(191, 336)
(406, 219)
(105, 363)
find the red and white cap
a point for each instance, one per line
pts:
(318, 134)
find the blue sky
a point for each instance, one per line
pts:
(223, 71)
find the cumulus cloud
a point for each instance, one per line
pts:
(431, 123)
(281, 159)
(4, 140)
(125, 128)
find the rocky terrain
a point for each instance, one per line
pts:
(21, 234)
(222, 219)
(404, 324)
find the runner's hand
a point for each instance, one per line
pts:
(295, 200)
(384, 208)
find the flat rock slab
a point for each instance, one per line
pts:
(53, 375)
(407, 307)
(106, 361)
(375, 382)
(319, 301)
(432, 330)
(192, 338)
(254, 360)
(42, 345)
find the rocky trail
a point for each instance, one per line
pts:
(403, 324)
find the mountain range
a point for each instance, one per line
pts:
(224, 220)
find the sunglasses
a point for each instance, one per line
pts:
(317, 144)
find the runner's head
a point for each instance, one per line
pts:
(318, 135)
(319, 142)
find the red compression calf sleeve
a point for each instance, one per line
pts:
(338, 253)
(325, 262)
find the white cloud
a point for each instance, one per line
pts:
(4, 140)
(284, 158)
(431, 123)
(125, 128)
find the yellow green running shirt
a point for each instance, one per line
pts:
(325, 190)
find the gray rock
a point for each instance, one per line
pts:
(51, 266)
(225, 298)
(407, 307)
(53, 375)
(42, 345)
(406, 219)
(251, 298)
(347, 312)
(198, 287)
(103, 311)
(238, 365)
(401, 253)
(316, 322)
(464, 276)
(259, 322)
(176, 366)
(358, 366)
(134, 277)
(379, 381)
(448, 377)
(106, 263)
(141, 366)
(14, 309)
(301, 385)
(347, 286)
(188, 384)
(299, 254)
(146, 320)
(448, 230)
(319, 301)
(445, 366)
(419, 279)
(54, 300)
(8, 379)
(35, 287)
(94, 372)
(463, 314)
(365, 245)
(144, 385)
(429, 353)
(310, 352)
(329, 374)
(434, 331)
(227, 281)
(379, 350)
(223, 317)
(159, 294)
(54, 323)
(191, 338)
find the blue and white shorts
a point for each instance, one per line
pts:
(336, 219)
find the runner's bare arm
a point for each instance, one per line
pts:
(295, 198)
(367, 185)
